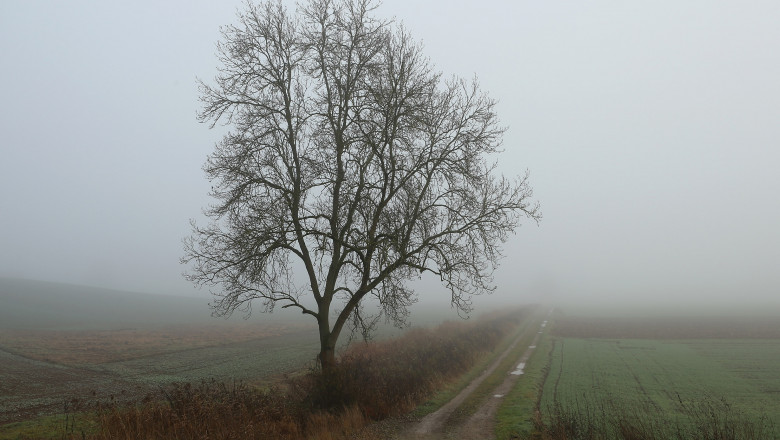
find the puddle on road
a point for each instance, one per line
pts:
(519, 370)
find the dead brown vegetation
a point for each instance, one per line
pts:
(372, 381)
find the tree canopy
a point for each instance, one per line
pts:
(351, 167)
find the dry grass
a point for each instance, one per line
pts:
(392, 377)
(372, 381)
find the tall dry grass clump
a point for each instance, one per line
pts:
(372, 381)
(391, 377)
(208, 410)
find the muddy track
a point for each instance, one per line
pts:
(480, 424)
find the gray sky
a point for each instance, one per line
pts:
(651, 130)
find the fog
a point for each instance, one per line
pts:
(650, 130)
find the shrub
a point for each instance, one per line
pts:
(371, 381)
(391, 377)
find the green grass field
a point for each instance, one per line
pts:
(666, 384)
(657, 374)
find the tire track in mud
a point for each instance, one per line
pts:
(480, 425)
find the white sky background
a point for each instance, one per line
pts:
(651, 130)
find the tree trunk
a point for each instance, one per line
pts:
(327, 358)
(328, 337)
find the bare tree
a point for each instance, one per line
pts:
(350, 169)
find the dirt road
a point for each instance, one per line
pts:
(481, 423)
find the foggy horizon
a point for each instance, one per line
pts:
(650, 132)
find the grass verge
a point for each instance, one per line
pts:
(516, 415)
